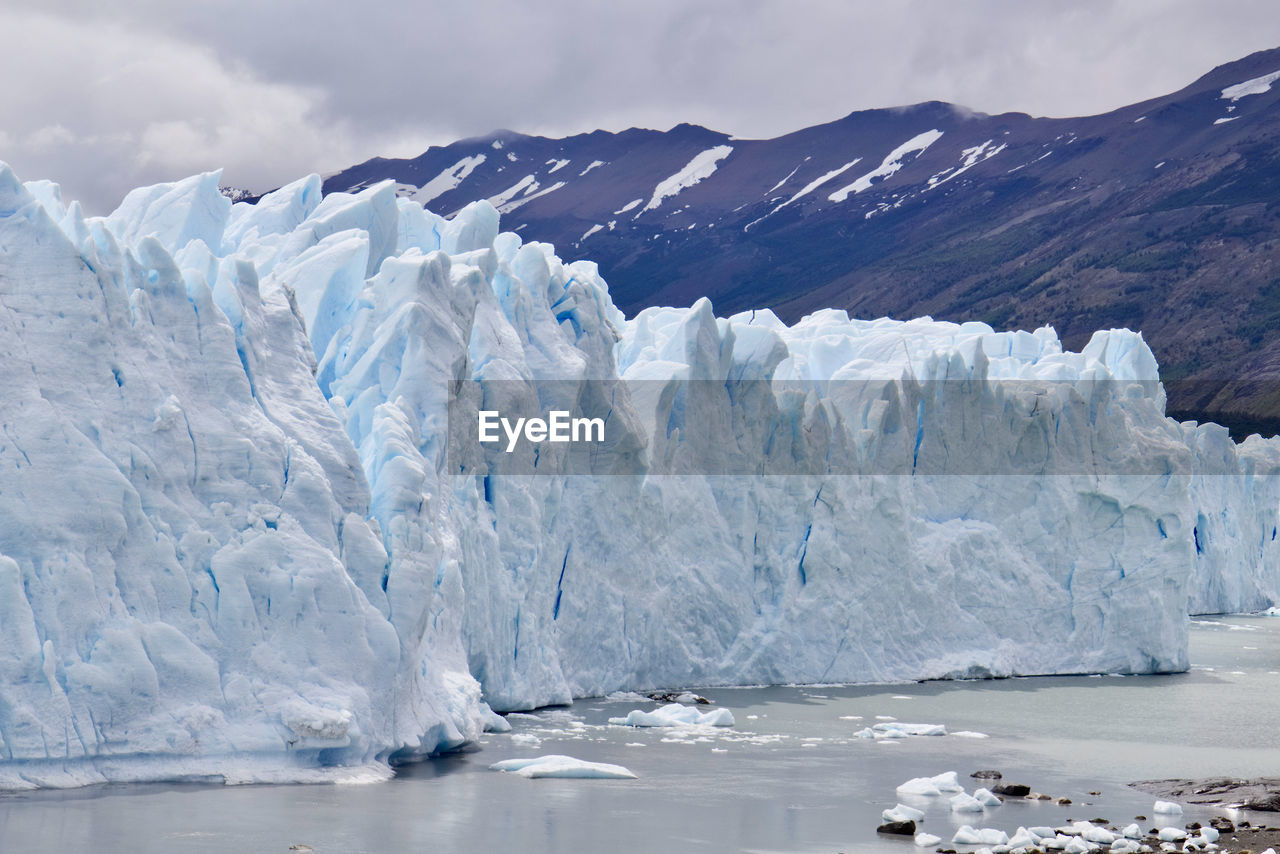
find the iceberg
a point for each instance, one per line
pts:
(902, 812)
(564, 767)
(675, 715)
(965, 802)
(967, 835)
(243, 534)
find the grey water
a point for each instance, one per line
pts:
(789, 776)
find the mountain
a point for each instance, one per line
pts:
(1163, 216)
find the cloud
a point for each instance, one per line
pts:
(105, 107)
(143, 90)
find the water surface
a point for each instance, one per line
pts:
(790, 776)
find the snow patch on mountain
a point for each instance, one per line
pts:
(529, 196)
(447, 180)
(810, 187)
(969, 158)
(702, 166)
(1254, 86)
(891, 164)
(527, 184)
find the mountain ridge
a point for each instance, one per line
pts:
(1162, 216)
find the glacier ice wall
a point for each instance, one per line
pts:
(234, 540)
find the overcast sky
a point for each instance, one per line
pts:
(103, 97)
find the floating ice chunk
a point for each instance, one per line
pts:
(967, 835)
(493, 722)
(1100, 835)
(965, 803)
(630, 696)
(965, 733)
(986, 798)
(1166, 808)
(1022, 838)
(1172, 834)
(926, 840)
(556, 765)
(902, 812)
(897, 729)
(675, 715)
(946, 782)
(919, 786)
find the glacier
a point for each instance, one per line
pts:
(240, 539)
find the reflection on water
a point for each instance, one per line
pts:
(790, 776)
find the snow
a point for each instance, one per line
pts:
(590, 231)
(529, 196)
(1255, 86)
(592, 165)
(234, 539)
(945, 783)
(447, 180)
(786, 177)
(564, 767)
(557, 165)
(702, 166)
(969, 158)
(891, 164)
(675, 715)
(813, 185)
(1225, 119)
(527, 184)
(631, 205)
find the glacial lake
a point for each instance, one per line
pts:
(790, 776)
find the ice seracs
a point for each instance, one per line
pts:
(238, 537)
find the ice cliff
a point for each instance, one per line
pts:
(241, 538)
